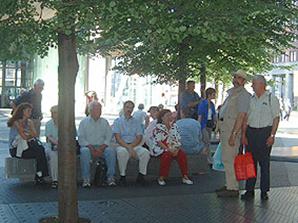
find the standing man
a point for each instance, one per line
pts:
(231, 118)
(190, 99)
(128, 134)
(259, 131)
(33, 97)
(140, 115)
(95, 136)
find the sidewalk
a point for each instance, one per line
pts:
(174, 203)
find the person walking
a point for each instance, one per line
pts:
(258, 134)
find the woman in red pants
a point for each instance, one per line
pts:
(167, 138)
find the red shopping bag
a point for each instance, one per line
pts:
(244, 166)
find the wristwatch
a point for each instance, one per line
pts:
(272, 135)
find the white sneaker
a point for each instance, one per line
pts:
(86, 184)
(161, 182)
(187, 181)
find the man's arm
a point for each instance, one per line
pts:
(137, 141)
(120, 141)
(82, 134)
(271, 139)
(243, 131)
(237, 128)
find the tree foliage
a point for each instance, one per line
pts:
(172, 39)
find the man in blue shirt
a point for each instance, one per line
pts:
(190, 99)
(190, 132)
(128, 134)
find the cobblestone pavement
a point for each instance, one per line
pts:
(24, 202)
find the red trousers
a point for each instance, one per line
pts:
(166, 159)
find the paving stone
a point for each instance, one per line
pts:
(6, 215)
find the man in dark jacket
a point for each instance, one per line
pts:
(33, 96)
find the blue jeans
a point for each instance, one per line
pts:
(85, 158)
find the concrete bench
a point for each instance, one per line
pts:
(24, 169)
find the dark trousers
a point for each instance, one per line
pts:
(35, 151)
(257, 138)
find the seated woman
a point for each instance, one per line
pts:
(23, 143)
(51, 133)
(167, 138)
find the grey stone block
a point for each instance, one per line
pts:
(24, 169)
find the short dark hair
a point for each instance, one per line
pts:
(190, 82)
(186, 112)
(209, 91)
(161, 114)
(153, 108)
(128, 102)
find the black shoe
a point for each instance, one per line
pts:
(54, 185)
(264, 196)
(122, 181)
(248, 195)
(228, 193)
(39, 181)
(221, 189)
(141, 180)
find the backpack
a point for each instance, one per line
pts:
(100, 172)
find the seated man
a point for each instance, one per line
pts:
(190, 132)
(128, 135)
(95, 136)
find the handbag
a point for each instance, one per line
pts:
(244, 165)
(210, 124)
(217, 160)
(100, 172)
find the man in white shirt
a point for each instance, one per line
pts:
(95, 136)
(258, 133)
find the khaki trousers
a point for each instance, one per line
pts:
(228, 156)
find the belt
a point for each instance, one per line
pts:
(221, 119)
(260, 128)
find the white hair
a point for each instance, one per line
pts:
(260, 78)
(39, 82)
(92, 105)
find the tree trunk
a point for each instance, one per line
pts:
(203, 80)
(67, 70)
(181, 88)
(23, 74)
(3, 93)
(216, 87)
(223, 92)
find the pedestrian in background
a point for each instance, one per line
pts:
(207, 118)
(190, 99)
(33, 97)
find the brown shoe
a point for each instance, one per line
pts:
(221, 189)
(228, 193)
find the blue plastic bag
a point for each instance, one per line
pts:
(217, 161)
